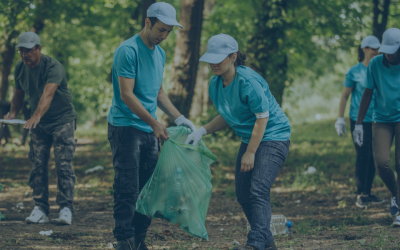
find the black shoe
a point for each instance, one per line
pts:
(140, 243)
(127, 244)
(362, 201)
(245, 248)
(373, 199)
(271, 247)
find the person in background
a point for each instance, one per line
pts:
(245, 103)
(133, 129)
(354, 84)
(383, 75)
(42, 80)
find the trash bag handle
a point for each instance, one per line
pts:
(197, 148)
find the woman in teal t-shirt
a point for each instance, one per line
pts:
(383, 75)
(245, 103)
(354, 84)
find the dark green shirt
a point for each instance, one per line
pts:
(33, 81)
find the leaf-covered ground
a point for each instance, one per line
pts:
(321, 206)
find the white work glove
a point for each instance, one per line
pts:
(340, 126)
(358, 135)
(195, 137)
(182, 121)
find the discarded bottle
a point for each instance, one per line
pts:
(279, 225)
(175, 194)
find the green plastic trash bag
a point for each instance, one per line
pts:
(180, 188)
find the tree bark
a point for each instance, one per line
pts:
(145, 5)
(267, 45)
(380, 11)
(186, 58)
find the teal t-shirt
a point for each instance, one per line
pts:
(386, 83)
(133, 59)
(355, 78)
(249, 94)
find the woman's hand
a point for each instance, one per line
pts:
(247, 162)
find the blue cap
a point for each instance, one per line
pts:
(370, 41)
(165, 12)
(218, 48)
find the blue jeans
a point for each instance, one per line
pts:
(135, 155)
(253, 189)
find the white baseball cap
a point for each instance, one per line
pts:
(218, 48)
(390, 41)
(370, 41)
(165, 12)
(28, 40)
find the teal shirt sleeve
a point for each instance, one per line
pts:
(349, 81)
(254, 95)
(126, 62)
(370, 81)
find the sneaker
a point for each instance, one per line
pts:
(374, 199)
(396, 222)
(362, 201)
(140, 242)
(65, 217)
(394, 206)
(128, 244)
(37, 216)
(271, 247)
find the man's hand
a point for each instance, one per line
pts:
(340, 126)
(358, 134)
(9, 116)
(182, 121)
(247, 162)
(32, 122)
(196, 136)
(160, 131)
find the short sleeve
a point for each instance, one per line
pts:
(370, 81)
(254, 95)
(55, 74)
(126, 62)
(349, 81)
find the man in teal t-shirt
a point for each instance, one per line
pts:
(133, 129)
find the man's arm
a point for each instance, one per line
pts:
(364, 105)
(16, 104)
(43, 106)
(126, 86)
(165, 104)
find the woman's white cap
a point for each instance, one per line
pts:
(165, 12)
(390, 41)
(370, 41)
(218, 48)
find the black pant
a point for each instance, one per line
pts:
(365, 169)
(135, 155)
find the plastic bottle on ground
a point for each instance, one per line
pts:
(175, 193)
(279, 225)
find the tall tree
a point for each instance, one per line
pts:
(145, 5)
(186, 57)
(381, 12)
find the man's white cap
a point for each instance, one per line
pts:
(28, 40)
(218, 48)
(370, 41)
(390, 41)
(165, 12)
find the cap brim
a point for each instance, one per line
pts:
(26, 45)
(389, 49)
(169, 21)
(213, 58)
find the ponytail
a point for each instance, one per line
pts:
(240, 59)
(361, 54)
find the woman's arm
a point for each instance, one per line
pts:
(343, 100)
(217, 124)
(255, 140)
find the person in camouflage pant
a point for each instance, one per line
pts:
(41, 79)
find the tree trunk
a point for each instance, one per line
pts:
(145, 5)
(267, 45)
(379, 27)
(186, 58)
(201, 98)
